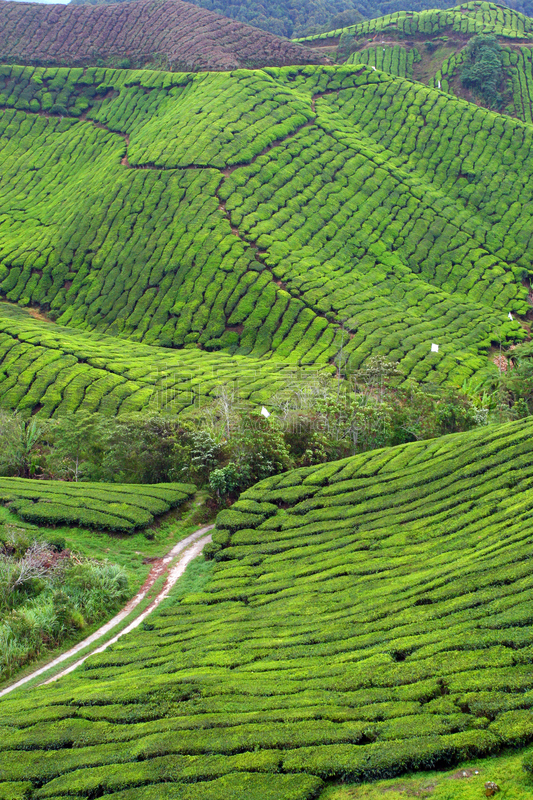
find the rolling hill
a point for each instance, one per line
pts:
(309, 17)
(362, 618)
(299, 201)
(433, 47)
(172, 35)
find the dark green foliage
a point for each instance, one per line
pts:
(313, 17)
(482, 71)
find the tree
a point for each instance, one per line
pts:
(483, 69)
(73, 453)
(20, 439)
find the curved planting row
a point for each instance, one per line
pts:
(172, 34)
(518, 64)
(293, 200)
(349, 629)
(92, 505)
(467, 19)
(394, 59)
(52, 371)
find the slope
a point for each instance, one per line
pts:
(466, 19)
(433, 47)
(309, 17)
(51, 370)
(170, 34)
(297, 200)
(350, 628)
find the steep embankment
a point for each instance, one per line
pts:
(362, 618)
(292, 201)
(170, 34)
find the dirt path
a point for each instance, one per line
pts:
(192, 545)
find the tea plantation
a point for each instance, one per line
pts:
(468, 19)
(360, 619)
(93, 505)
(255, 212)
(50, 370)
(168, 35)
(431, 47)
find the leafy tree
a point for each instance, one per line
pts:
(226, 481)
(20, 440)
(73, 453)
(482, 72)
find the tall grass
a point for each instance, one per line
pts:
(42, 607)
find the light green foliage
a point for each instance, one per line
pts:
(394, 59)
(436, 47)
(379, 623)
(467, 782)
(475, 17)
(53, 371)
(295, 199)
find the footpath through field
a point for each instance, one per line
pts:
(191, 547)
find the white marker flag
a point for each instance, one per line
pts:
(264, 412)
(510, 316)
(434, 348)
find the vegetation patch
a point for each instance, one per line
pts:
(48, 593)
(333, 209)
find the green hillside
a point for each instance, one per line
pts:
(433, 47)
(361, 619)
(466, 19)
(309, 17)
(254, 213)
(52, 370)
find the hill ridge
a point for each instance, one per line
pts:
(176, 33)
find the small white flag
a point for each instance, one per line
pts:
(434, 348)
(510, 316)
(264, 412)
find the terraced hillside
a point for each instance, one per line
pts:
(295, 200)
(114, 507)
(361, 619)
(306, 17)
(169, 35)
(466, 19)
(433, 47)
(51, 370)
